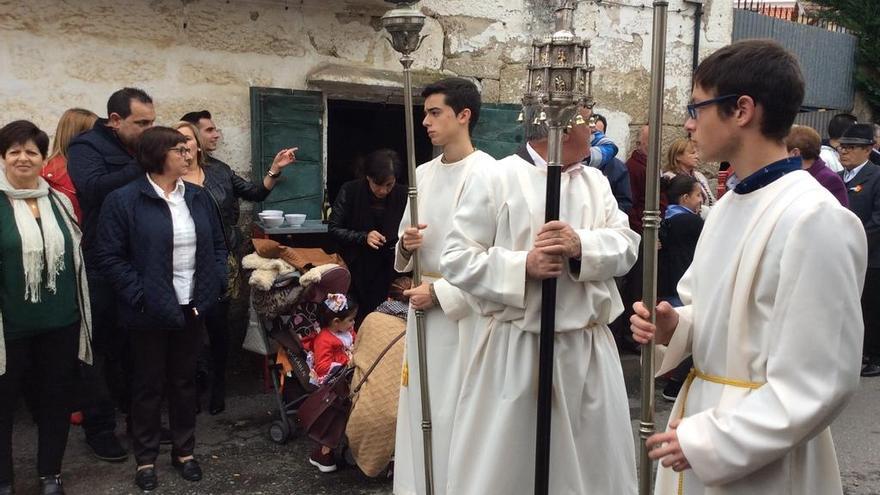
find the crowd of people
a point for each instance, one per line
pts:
(120, 250)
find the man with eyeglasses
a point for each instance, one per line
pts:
(862, 179)
(99, 162)
(775, 359)
(498, 251)
(829, 150)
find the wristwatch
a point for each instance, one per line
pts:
(273, 175)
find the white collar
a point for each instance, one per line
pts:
(178, 191)
(538, 159)
(540, 162)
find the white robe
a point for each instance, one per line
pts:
(493, 441)
(439, 186)
(766, 303)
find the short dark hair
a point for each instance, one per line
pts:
(20, 132)
(195, 117)
(839, 124)
(120, 101)
(761, 69)
(382, 164)
(603, 120)
(676, 187)
(154, 146)
(459, 94)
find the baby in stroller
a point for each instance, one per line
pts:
(331, 352)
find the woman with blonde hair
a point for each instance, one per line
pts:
(223, 188)
(682, 159)
(73, 122)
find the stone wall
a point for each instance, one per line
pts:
(194, 54)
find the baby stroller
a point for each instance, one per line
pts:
(288, 319)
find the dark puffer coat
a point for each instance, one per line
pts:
(135, 243)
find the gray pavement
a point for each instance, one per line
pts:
(238, 457)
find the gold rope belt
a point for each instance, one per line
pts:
(696, 373)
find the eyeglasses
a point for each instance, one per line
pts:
(182, 150)
(692, 108)
(846, 148)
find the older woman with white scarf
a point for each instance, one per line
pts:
(44, 307)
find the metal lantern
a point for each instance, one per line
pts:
(559, 81)
(560, 77)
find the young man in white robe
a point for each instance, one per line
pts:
(499, 251)
(452, 108)
(775, 358)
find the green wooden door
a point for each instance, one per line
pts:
(497, 132)
(283, 118)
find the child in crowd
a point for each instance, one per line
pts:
(679, 232)
(331, 350)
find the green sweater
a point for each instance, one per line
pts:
(22, 319)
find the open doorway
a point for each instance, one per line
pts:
(356, 128)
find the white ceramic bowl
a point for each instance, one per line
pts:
(272, 222)
(272, 213)
(295, 219)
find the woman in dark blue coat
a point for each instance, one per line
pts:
(161, 246)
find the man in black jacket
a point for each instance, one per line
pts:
(100, 161)
(862, 179)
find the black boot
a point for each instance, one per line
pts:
(217, 404)
(146, 479)
(106, 447)
(51, 485)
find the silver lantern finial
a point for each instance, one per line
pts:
(560, 77)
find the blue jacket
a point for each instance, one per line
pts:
(602, 150)
(98, 164)
(134, 247)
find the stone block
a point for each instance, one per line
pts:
(491, 90)
(467, 64)
(512, 83)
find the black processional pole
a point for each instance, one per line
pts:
(559, 81)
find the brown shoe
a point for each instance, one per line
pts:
(324, 462)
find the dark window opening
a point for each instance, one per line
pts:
(356, 128)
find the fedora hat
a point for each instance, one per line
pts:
(858, 134)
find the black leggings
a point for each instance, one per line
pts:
(48, 363)
(217, 325)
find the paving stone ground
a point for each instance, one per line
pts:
(239, 458)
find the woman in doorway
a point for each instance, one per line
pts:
(224, 188)
(682, 159)
(73, 122)
(161, 247)
(44, 307)
(364, 221)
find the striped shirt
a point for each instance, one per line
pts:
(184, 255)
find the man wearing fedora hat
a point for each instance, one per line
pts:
(862, 179)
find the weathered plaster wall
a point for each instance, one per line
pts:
(194, 54)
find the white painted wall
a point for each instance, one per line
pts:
(195, 54)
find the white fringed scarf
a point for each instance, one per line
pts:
(38, 249)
